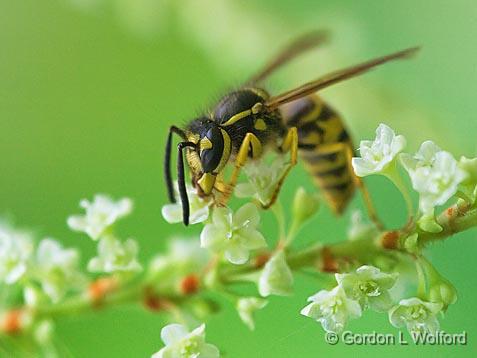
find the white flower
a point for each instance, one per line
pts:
(100, 215)
(360, 229)
(377, 155)
(435, 175)
(115, 256)
(417, 315)
(16, 249)
(181, 343)
(263, 178)
(56, 268)
(246, 307)
(369, 287)
(234, 234)
(199, 208)
(276, 277)
(332, 309)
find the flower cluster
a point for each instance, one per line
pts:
(33, 275)
(44, 275)
(114, 256)
(368, 287)
(43, 271)
(45, 280)
(435, 174)
(365, 288)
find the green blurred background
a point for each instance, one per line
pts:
(88, 89)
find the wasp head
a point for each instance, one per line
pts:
(211, 153)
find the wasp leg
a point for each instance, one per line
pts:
(368, 202)
(345, 147)
(290, 144)
(221, 188)
(251, 144)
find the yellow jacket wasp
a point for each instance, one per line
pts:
(249, 120)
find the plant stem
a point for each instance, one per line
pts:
(277, 210)
(453, 220)
(83, 302)
(392, 174)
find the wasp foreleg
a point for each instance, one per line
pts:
(251, 144)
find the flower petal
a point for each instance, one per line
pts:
(209, 351)
(213, 237)
(250, 239)
(172, 213)
(173, 333)
(236, 254)
(77, 223)
(381, 303)
(246, 214)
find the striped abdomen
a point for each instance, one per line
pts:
(325, 148)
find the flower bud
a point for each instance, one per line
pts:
(443, 291)
(246, 308)
(43, 332)
(276, 277)
(359, 228)
(203, 308)
(428, 223)
(189, 284)
(411, 244)
(304, 205)
(15, 321)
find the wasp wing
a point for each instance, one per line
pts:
(300, 45)
(335, 77)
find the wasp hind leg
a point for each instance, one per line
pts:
(365, 193)
(345, 149)
(290, 144)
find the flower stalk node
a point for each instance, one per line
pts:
(12, 322)
(329, 263)
(99, 289)
(390, 240)
(189, 285)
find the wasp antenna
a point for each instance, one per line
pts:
(167, 169)
(167, 162)
(181, 181)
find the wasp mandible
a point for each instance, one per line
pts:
(248, 121)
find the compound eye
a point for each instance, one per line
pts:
(208, 160)
(211, 150)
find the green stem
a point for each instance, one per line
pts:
(421, 280)
(294, 229)
(128, 294)
(363, 251)
(277, 210)
(392, 174)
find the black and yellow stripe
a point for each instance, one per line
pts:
(324, 147)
